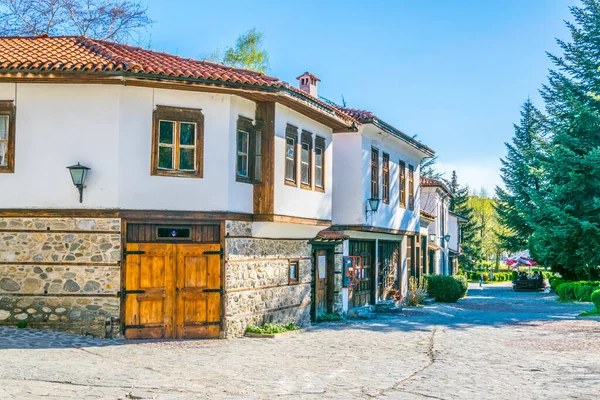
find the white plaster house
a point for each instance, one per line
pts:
(382, 163)
(208, 198)
(443, 231)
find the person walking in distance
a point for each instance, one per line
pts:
(480, 280)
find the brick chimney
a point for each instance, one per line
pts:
(308, 83)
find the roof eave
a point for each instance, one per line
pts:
(425, 150)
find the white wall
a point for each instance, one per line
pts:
(294, 201)
(57, 126)
(353, 176)
(453, 232)
(109, 128)
(347, 182)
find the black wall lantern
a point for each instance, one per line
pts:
(372, 205)
(78, 174)
(432, 237)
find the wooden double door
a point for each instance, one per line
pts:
(172, 291)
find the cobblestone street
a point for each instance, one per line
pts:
(495, 344)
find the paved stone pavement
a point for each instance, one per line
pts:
(495, 344)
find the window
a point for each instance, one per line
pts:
(374, 173)
(306, 161)
(402, 182)
(385, 185)
(7, 137)
(319, 164)
(178, 141)
(248, 153)
(411, 187)
(291, 139)
(293, 272)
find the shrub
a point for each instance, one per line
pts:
(417, 291)
(566, 291)
(329, 318)
(272, 328)
(444, 288)
(595, 297)
(576, 291)
(464, 284)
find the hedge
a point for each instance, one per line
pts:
(596, 299)
(576, 291)
(446, 288)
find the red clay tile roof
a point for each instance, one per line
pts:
(81, 54)
(364, 116)
(429, 182)
(359, 115)
(331, 235)
(85, 55)
(427, 215)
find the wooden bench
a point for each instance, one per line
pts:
(532, 285)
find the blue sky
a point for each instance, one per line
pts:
(453, 72)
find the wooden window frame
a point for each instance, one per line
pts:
(7, 107)
(291, 132)
(178, 115)
(402, 184)
(296, 280)
(385, 184)
(374, 172)
(320, 143)
(411, 187)
(246, 125)
(306, 138)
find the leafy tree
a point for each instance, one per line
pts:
(470, 230)
(522, 173)
(565, 220)
(247, 53)
(117, 20)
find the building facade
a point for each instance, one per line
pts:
(210, 200)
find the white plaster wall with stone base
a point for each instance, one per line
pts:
(60, 273)
(257, 288)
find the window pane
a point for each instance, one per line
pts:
(257, 145)
(289, 170)
(242, 165)
(257, 168)
(165, 157)
(305, 152)
(187, 159)
(242, 142)
(187, 134)
(3, 151)
(305, 173)
(166, 132)
(319, 177)
(293, 271)
(3, 127)
(290, 149)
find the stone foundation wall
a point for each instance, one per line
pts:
(60, 273)
(257, 288)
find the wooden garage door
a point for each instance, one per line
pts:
(172, 291)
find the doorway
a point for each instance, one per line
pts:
(172, 291)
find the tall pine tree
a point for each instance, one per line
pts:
(522, 174)
(470, 239)
(566, 219)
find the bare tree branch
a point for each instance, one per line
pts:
(118, 20)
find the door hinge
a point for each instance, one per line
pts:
(217, 290)
(125, 327)
(123, 293)
(219, 252)
(126, 253)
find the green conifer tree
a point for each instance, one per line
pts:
(522, 173)
(566, 219)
